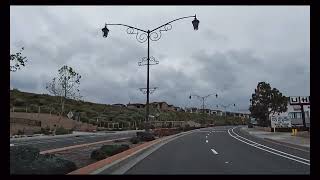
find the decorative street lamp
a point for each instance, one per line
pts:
(105, 31)
(195, 23)
(203, 98)
(147, 35)
(225, 107)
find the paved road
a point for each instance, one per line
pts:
(59, 142)
(223, 150)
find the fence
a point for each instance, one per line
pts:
(33, 112)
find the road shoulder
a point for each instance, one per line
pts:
(280, 138)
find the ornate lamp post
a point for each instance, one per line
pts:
(147, 35)
(203, 98)
(225, 108)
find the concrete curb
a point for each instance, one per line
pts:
(113, 163)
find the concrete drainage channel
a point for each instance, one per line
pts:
(122, 165)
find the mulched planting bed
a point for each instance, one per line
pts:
(81, 156)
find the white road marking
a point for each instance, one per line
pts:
(207, 141)
(256, 145)
(226, 162)
(214, 151)
(206, 137)
(286, 146)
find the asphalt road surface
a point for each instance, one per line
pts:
(63, 141)
(223, 150)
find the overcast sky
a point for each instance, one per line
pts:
(235, 48)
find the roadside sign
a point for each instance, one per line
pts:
(299, 100)
(280, 122)
(70, 114)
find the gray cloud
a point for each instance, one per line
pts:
(234, 48)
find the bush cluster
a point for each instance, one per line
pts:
(61, 130)
(134, 140)
(145, 136)
(108, 150)
(28, 160)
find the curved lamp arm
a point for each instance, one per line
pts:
(153, 29)
(172, 21)
(129, 27)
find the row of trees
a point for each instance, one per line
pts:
(64, 86)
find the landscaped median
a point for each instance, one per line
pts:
(89, 158)
(116, 160)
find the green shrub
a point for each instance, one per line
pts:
(145, 136)
(108, 150)
(27, 160)
(98, 155)
(61, 130)
(134, 140)
(45, 131)
(19, 102)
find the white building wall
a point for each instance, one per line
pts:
(295, 114)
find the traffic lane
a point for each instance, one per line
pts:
(284, 148)
(184, 155)
(70, 141)
(245, 159)
(191, 154)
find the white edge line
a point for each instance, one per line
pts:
(270, 147)
(268, 150)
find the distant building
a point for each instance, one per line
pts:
(178, 109)
(294, 115)
(159, 105)
(192, 110)
(119, 105)
(171, 108)
(136, 105)
(214, 112)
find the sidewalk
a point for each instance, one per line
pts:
(280, 137)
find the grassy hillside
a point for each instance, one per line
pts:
(90, 111)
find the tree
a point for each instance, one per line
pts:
(265, 101)
(66, 86)
(17, 60)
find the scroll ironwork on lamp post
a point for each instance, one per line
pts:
(147, 35)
